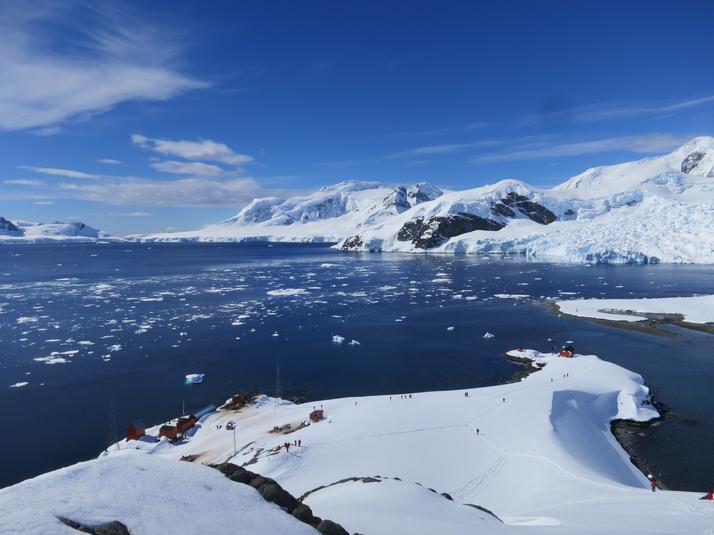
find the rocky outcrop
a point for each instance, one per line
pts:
(108, 528)
(531, 209)
(432, 232)
(352, 244)
(397, 200)
(691, 161)
(274, 493)
(422, 192)
(8, 226)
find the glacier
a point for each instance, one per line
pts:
(658, 209)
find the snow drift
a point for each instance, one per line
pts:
(533, 456)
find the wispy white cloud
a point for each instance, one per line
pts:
(203, 149)
(441, 131)
(181, 192)
(187, 168)
(69, 173)
(594, 113)
(109, 161)
(103, 56)
(642, 144)
(43, 203)
(132, 214)
(23, 182)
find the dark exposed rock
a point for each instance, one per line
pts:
(569, 212)
(398, 199)
(691, 161)
(447, 496)
(422, 192)
(261, 481)
(328, 527)
(355, 242)
(499, 208)
(434, 231)
(484, 510)
(273, 492)
(108, 528)
(303, 513)
(8, 225)
(534, 211)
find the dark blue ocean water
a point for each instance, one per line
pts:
(132, 320)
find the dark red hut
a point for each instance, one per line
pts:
(135, 430)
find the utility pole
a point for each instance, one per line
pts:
(112, 438)
(277, 382)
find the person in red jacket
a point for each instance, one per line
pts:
(653, 482)
(708, 496)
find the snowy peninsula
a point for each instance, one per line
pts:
(536, 456)
(696, 309)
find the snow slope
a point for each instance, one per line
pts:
(543, 459)
(696, 309)
(659, 209)
(27, 232)
(327, 215)
(148, 494)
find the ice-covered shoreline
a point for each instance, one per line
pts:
(697, 309)
(538, 453)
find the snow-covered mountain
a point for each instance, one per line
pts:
(659, 209)
(328, 215)
(27, 232)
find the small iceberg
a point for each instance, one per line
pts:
(488, 335)
(194, 378)
(337, 339)
(450, 328)
(353, 343)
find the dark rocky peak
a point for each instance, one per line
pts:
(398, 199)
(691, 161)
(423, 192)
(8, 225)
(531, 209)
(432, 232)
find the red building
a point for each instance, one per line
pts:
(135, 430)
(169, 431)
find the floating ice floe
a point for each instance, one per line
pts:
(353, 343)
(286, 292)
(337, 339)
(450, 328)
(511, 296)
(489, 335)
(194, 378)
(20, 384)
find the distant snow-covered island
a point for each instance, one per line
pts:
(58, 231)
(659, 209)
(535, 456)
(694, 312)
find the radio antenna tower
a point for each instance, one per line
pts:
(277, 382)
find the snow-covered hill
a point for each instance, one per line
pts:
(26, 232)
(327, 215)
(535, 456)
(659, 209)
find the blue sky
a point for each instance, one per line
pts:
(135, 118)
